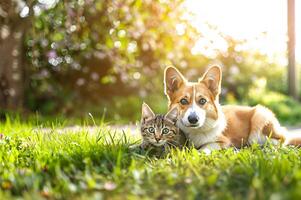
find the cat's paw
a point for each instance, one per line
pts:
(133, 147)
(136, 147)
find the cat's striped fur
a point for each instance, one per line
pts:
(160, 130)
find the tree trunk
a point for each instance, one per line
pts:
(12, 52)
(292, 69)
(12, 70)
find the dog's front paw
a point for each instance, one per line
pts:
(207, 151)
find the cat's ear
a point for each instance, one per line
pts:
(147, 112)
(172, 115)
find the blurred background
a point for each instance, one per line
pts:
(68, 58)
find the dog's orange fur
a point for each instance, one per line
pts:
(243, 124)
(243, 121)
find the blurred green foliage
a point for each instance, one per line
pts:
(99, 55)
(286, 109)
(87, 51)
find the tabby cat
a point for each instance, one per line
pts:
(160, 131)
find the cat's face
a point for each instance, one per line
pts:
(159, 130)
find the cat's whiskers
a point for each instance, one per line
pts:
(174, 144)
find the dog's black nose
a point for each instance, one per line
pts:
(193, 118)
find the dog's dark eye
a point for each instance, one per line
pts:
(184, 101)
(202, 101)
(151, 129)
(165, 131)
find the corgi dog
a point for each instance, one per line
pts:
(210, 126)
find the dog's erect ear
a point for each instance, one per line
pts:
(212, 79)
(147, 112)
(173, 79)
(172, 115)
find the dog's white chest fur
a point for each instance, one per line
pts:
(207, 134)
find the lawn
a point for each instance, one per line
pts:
(82, 165)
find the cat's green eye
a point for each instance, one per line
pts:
(165, 131)
(151, 129)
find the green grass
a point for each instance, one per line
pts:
(82, 165)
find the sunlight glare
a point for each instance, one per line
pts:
(262, 23)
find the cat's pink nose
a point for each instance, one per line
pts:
(158, 139)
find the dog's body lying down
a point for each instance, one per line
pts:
(208, 125)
